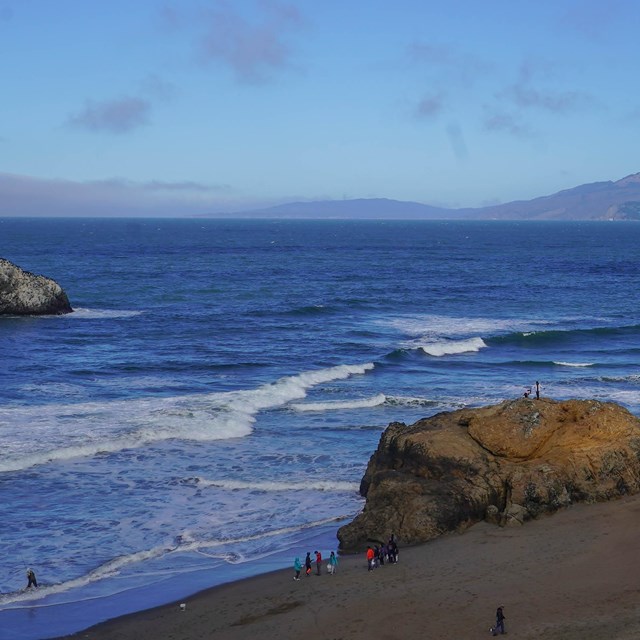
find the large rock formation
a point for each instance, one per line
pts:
(506, 463)
(23, 293)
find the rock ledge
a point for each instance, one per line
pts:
(505, 463)
(23, 293)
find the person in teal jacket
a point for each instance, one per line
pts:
(333, 563)
(297, 566)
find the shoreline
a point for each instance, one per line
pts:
(575, 573)
(60, 616)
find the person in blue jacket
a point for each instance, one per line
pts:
(333, 563)
(297, 566)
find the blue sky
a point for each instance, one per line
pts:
(153, 107)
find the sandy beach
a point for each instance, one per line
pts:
(573, 575)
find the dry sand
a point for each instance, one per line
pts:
(573, 575)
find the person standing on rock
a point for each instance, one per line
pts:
(537, 390)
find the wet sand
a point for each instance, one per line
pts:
(573, 575)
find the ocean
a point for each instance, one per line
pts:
(208, 410)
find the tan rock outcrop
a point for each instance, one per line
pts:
(24, 293)
(507, 463)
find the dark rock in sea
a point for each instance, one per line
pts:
(506, 463)
(23, 293)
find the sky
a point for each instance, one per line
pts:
(154, 107)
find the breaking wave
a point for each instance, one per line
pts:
(363, 403)
(129, 424)
(313, 485)
(452, 347)
(573, 364)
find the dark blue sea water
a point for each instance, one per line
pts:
(208, 410)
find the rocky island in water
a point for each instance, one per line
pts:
(23, 293)
(506, 464)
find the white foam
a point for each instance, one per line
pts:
(400, 401)
(185, 543)
(101, 314)
(363, 403)
(574, 364)
(108, 569)
(318, 485)
(452, 347)
(65, 431)
(209, 544)
(634, 378)
(435, 325)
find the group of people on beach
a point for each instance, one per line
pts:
(332, 565)
(378, 555)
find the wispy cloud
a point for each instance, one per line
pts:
(446, 70)
(430, 106)
(252, 47)
(157, 88)
(170, 18)
(505, 122)
(524, 94)
(527, 94)
(556, 102)
(457, 141)
(113, 116)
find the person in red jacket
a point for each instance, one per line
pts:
(318, 562)
(370, 559)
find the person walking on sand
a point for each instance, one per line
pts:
(500, 618)
(333, 563)
(297, 567)
(307, 564)
(318, 562)
(31, 579)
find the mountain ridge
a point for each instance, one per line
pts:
(605, 200)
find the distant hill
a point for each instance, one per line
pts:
(618, 200)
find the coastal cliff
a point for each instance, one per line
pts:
(23, 293)
(506, 463)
